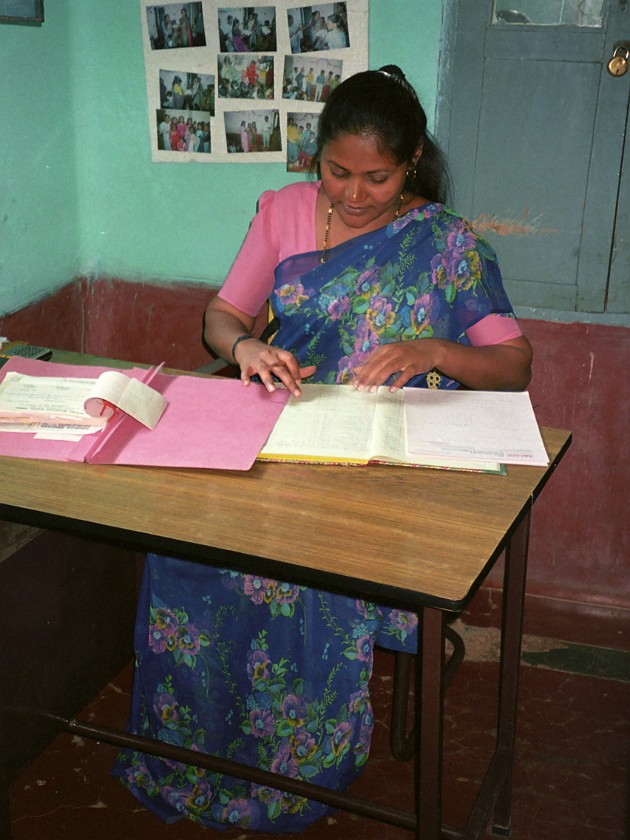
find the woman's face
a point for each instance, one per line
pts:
(362, 182)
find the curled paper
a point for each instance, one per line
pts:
(115, 391)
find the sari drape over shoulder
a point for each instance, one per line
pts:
(424, 275)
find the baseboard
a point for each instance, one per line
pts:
(602, 625)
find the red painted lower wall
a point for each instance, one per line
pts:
(132, 321)
(579, 581)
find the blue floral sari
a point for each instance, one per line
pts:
(265, 672)
(258, 671)
(425, 275)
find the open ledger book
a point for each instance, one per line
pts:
(338, 425)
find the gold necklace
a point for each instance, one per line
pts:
(331, 208)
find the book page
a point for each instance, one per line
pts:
(388, 437)
(389, 442)
(337, 424)
(483, 425)
(327, 423)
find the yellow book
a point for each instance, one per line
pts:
(336, 424)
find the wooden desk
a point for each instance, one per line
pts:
(419, 539)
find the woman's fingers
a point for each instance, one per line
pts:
(272, 365)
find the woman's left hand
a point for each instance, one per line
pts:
(493, 367)
(403, 360)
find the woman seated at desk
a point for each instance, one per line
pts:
(373, 281)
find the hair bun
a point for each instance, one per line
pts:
(393, 71)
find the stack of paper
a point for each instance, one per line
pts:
(62, 406)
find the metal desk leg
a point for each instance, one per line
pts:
(511, 637)
(429, 697)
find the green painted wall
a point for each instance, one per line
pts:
(79, 193)
(39, 210)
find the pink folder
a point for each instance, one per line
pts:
(208, 423)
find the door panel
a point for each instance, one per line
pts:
(542, 207)
(534, 130)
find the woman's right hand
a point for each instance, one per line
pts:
(270, 364)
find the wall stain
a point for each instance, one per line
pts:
(489, 223)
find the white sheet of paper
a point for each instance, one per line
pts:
(485, 425)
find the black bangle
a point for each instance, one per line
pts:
(243, 337)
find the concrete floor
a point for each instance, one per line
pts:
(571, 770)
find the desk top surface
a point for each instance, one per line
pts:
(403, 534)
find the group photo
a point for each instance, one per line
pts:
(183, 91)
(245, 77)
(176, 26)
(247, 29)
(313, 81)
(301, 141)
(322, 28)
(252, 131)
(179, 131)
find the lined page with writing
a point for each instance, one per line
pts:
(328, 423)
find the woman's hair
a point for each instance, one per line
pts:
(383, 104)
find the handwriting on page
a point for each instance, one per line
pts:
(335, 420)
(27, 399)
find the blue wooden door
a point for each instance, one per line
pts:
(535, 127)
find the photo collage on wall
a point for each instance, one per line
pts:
(236, 84)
